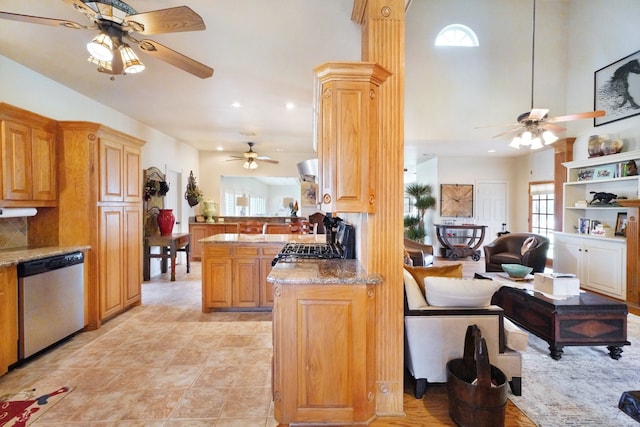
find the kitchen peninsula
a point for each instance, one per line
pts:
(235, 268)
(324, 331)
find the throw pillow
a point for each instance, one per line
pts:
(415, 297)
(419, 273)
(451, 292)
(529, 243)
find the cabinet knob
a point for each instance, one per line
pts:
(326, 198)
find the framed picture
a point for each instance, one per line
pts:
(604, 172)
(621, 224)
(585, 174)
(309, 192)
(616, 93)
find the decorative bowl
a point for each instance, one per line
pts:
(516, 270)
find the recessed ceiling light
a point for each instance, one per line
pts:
(290, 105)
(220, 148)
(492, 151)
(236, 105)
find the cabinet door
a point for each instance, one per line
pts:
(43, 155)
(604, 268)
(133, 174)
(246, 277)
(217, 273)
(111, 171)
(567, 257)
(16, 161)
(197, 232)
(132, 254)
(8, 318)
(111, 256)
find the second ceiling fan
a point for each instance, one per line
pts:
(251, 158)
(535, 128)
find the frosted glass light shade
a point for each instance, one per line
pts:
(101, 47)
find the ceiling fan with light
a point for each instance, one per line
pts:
(116, 21)
(251, 158)
(535, 128)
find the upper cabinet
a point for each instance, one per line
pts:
(120, 167)
(347, 132)
(28, 170)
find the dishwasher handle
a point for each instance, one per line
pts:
(39, 266)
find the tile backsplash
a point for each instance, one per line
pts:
(13, 232)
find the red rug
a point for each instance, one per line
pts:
(20, 409)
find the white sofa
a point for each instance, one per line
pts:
(435, 335)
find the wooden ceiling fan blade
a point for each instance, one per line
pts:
(175, 58)
(43, 21)
(497, 126)
(171, 20)
(519, 127)
(268, 160)
(578, 116)
(234, 158)
(553, 128)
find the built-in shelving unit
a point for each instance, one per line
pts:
(598, 260)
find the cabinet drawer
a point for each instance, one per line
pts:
(247, 251)
(217, 251)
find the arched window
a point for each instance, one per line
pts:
(457, 35)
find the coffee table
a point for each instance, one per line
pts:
(587, 319)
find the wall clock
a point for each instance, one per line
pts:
(456, 200)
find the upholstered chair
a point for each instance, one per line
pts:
(420, 254)
(517, 248)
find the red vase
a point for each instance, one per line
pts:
(166, 219)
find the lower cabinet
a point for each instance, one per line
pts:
(323, 361)
(235, 275)
(599, 263)
(8, 318)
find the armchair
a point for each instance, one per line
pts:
(434, 335)
(508, 249)
(421, 255)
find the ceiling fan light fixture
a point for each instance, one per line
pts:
(103, 66)
(101, 47)
(131, 63)
(536, 143)
(549, 137)
(515, 142)
(250, 164)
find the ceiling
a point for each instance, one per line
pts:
(263, 54)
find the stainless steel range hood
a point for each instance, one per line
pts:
(308, 170)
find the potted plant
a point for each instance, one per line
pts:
(423, 200)
(193, 195)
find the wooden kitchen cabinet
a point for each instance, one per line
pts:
(234, 275)
(8, 318)
(347, 134)
(323, 361)
(201, 231)
(28, 159)
(100, 204)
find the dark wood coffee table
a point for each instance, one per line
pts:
(587, 319)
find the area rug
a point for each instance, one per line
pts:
(23, 408)
(583, 387)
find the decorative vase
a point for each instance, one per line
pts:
(166, 219)
(209, 210)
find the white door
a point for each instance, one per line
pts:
(491, 205)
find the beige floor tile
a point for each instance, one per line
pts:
(199, 403)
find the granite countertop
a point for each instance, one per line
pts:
(264, 238)
(322, 272)
(14, 256)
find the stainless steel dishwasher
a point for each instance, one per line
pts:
(50, 301)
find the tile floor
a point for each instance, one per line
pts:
(164, 363)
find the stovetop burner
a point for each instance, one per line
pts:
(314, 250)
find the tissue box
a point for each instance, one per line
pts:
(556, 285)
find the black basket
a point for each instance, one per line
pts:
(477, 390)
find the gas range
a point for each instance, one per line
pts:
(343, 246)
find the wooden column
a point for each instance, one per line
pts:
(563, 152)
(633, 250)
(383, 29)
